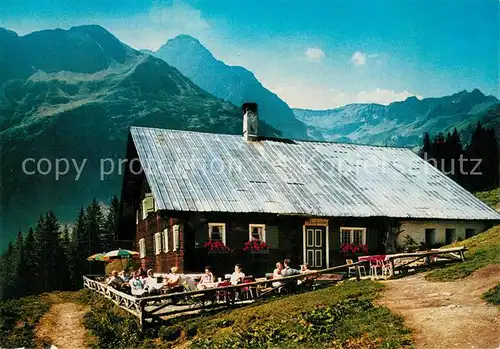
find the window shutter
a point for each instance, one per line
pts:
(157, 243)
(165, 241)
(272, 237)
(148, 205)
(142, 248)
(175, 235)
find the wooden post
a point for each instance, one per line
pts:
(142, 314)
(392, 268)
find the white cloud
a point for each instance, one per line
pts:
(315, 54)
(382, 96)
(179, 17)
(162, 22)
(362, 58)
(150, 29)
(300, 93)
(359, 58)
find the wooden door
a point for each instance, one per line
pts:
(315, 247)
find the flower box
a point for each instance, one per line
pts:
(218, 252)
(352, 249)
(260, 252)
(216, 247)
(255, 246)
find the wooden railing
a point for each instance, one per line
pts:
(151, 309)
(401, 262)
(125, 301)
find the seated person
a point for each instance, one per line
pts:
(124, 275)
(136, 285)
(304, 269)
(287, 270)
(114, 280)
(277, 274)
(142, 273)
(207, 280)
(150, 283)
(238, 276)
(278, 270)
(173, 280)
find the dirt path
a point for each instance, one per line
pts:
(447, 314)
(62, 326)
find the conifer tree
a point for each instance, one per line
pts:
(6, 281)
(17, 265)
(31, 263)
(483, 147)
(110, 232)
(426, 150)
(81, 250)
(453, 150)
(64, 260)
(94, 227)
(42, 253)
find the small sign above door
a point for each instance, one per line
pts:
(317, 221)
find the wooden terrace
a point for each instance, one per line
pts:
(155, 308)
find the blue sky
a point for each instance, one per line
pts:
(313, 54)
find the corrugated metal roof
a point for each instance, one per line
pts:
(191, 171)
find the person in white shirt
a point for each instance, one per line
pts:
(136, 285)
(207, 279)
(150, 283)
(114, 280)
(278, 270)
(277, 274)
(238, 276)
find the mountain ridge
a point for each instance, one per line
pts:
(82, 111)
(77, 91)
(400, 123)
(235, 84)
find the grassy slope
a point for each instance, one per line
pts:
(342, 316)
(493, 295)
(483, 250)
(492, 197)
(336, 317)
(19, 318)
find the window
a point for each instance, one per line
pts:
(257, 232)
(353, 235)
(430, 236)
(148, 205)
(175, 236)
(451, 235)
(165, 240)
(142, 248)
(469, 232)
(217, 232)
(157, 242)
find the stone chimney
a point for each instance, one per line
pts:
(250, 121)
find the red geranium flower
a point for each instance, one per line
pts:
(216, 246)
(255, 245)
